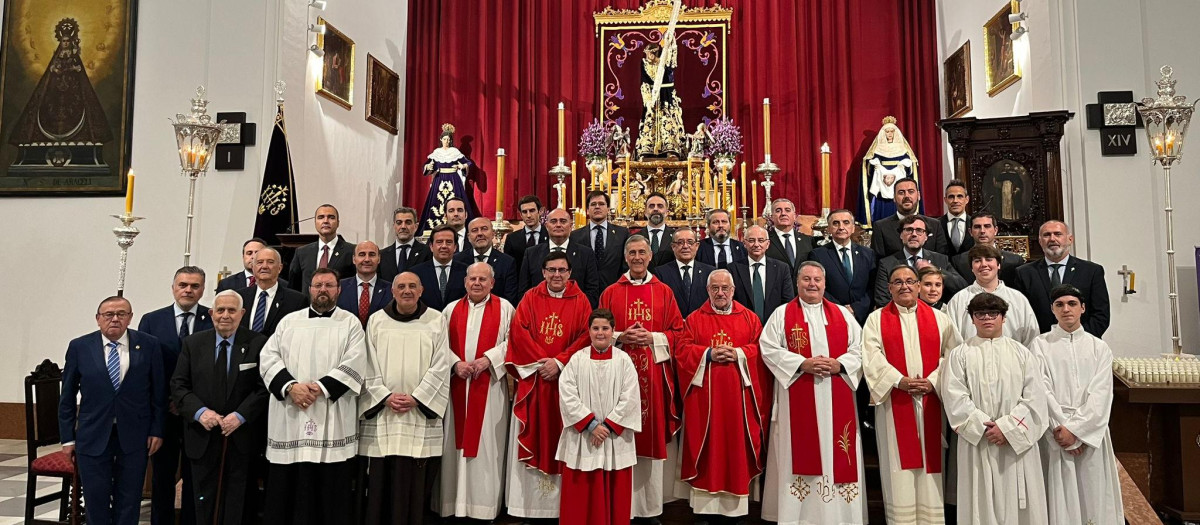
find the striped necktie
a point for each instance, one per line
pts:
(114, 364)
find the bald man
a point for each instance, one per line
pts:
(583, 259)
(365, 293)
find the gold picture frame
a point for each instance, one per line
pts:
(383, 95)
(1001, 65)
(336, 81)
(956, 75)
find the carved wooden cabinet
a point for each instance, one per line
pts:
(1012, 167)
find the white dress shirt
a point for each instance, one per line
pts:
(761, 270)
(1062, 270)
(191, 319)
(475, 255)
(254, 300)
(564, 244)
(321, 245)
(399, 253)
(603, 231)
(837, 249)
(122, 352)
(372, 281)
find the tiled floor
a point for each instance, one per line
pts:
(13, 476)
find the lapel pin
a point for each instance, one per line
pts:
(137, 347)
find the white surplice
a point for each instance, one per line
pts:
(997, 380)
(474, 487)
(607, 389)
(1077, 369)
(310, 349)
(790, 499)
(1020, 323)
(914, 495)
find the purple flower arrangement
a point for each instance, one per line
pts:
(593, 142)
(726, 138)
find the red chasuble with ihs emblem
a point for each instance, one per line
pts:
(722, 440)
(653, 305)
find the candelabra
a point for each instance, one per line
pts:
(744, 211)
(767, 169)
(560, 173)
(500, 228)
(1167, 117)
(196, 135)
(125, 234)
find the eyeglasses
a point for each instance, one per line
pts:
(684, 243)
(556, 270)
(909, 282)
(990, 314)
(912, 230)
(115, 315)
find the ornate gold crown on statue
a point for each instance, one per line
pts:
(886, 120)
(449, 128)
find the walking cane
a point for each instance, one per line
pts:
(220, 481)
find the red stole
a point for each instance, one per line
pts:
(469, 425)
(908, 441)
(806, 455)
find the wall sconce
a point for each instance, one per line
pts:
(316, 50)
(317, 4)
(316, 28)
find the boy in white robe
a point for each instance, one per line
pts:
(1020, 322)
(1082, 484)
(996, 402)
(601, 410)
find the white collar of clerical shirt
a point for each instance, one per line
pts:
(554, 294)
(907, 309)
(726, 311)
(480, 304)
(645, 279)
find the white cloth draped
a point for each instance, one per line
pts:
(1077, 370)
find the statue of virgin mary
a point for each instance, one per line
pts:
(888, 160)
(449, 168)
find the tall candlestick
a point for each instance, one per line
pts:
(592, 170)
(562, 109)
(607, 182)
(621, 188)
(754, 201)
(767, 128)
(628, 180)
(707, 183)
(743, 184)
(129, 194)
(574, 187)
(724, 199)
(691, 184)
(825, 176)
(733, 214)
(500, 183)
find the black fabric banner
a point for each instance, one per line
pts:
(276, 211)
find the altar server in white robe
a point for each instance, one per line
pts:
(601, 408)
(903, 343)
(476, 427)
(813, 349)
(996, 402)
(407, 394)
(1020, 323)
(1082, 484)
(314, 365)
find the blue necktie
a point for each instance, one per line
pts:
(114, 364)
(260, 312)
(846, 264)
(184, 331)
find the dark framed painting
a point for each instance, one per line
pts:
(383, 95)
(957, 79)
(1002, 70)
(66, 96)
(336, 82)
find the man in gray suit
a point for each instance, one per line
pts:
(913, 234)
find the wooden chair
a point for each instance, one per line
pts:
(42, 388)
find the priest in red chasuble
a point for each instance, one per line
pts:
(722, 433)
(648, 325)
(813, 349)
(551, 324)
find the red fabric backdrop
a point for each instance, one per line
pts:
(497, 69)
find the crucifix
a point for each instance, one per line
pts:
(1127, 277)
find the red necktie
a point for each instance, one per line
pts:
(364, 303)
(324, 257)
(250, 282)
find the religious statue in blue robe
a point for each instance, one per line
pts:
(660, 134)
(449, 168)
(888, 160)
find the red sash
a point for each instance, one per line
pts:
(908, 441)
(469, 425)
(806, 454)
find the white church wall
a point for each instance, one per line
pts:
(1074, 49)
(62, 255)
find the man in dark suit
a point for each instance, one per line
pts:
(117, 375)
(365, 293)
(456, 219)
(170, 325)
(1036, 280)
(761, 283)
(686, 277)
(955, 225)
(481, 235)
(329, 251)
(583, 260)
(849, 267)
(885, 239)
(657, 231)
(983, 232)
(718, 249)
(245, 278)
(268, 300)
(605, 239)
(788, 243)
(533, 233)
(915, 254)
(442, 277)
(218, 389)
(407, 251)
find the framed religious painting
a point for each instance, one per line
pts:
(1002, 70)
(336, 82)
(957, 81)
(66, 96)
(383, 95)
